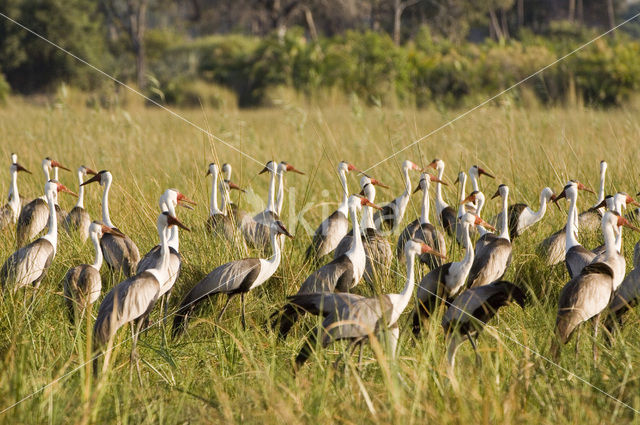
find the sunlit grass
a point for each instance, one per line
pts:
(219, 373)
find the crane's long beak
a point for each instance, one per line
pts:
(495, 195)
(426, 249)
(283, 230)
(433, 164)
(173, 221)
(585, 188)
(107, 229)
(232, 185)
(481, 222)
(602, 204)
(264, 170)
(21, 168)
(553, 199)
(368, 203)
(95, 178)
(562, 195)
(292, 168)
(632, 201)
(63, 188)
(352, 167)
(624, 222)
(418, 188)
(90, 171)
(57, 164)
(378, 183)
(436, 179)
(482, 171)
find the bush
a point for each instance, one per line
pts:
(4, 90)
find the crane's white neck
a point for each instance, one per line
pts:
(80, 203)
(463, 184)
(609, 240)
(213, 201)
(161, 272)
(280, 199)
(272, 189)
(504, 230)
(603, 172)
(481, 230)
(400, 301)
(46, 170)
(14, 197)
(407, 181)
(474, 181)
(469, 253)
(343, 207)
(97, 262)
(440, 204)
(105, 204)
(367, 218)
(571, 230)
(274, 261)
(537, 215)
(356, 242)
(424, 213)
(52, 233)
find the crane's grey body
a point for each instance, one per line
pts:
(471, 310)
(626, 296)
(377, 251)
(82, 287)
(153, 259)
(491, 262)
(328, 235)
(120, 253)
(131, 299)
(32, 220)
(28, 265)
(553, 248)
(577, 258)
(427, 233)
(230, 279)
(78, 220)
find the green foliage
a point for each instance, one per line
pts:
(4, 89)
(427, 71)
(31, 64)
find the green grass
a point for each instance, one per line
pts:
(220, 373)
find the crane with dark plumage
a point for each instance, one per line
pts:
(78, 219)
(29, 264)
(82, 284)
(391, 214)
(234, 278)
(354, 317)
(469, 313)
(34, 216)
(446, 281)
(493, 258)
(335, 227)
(11, 211)
(422, 229)
(120, 253)
(131, 300)
(586, 295)
(340, 275)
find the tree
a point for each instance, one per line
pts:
(130, 16)
(398, 8)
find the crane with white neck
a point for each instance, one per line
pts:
(78, 219)
(120, 253)
(82, 285)
(354, 317)
(589, 220)
(131, 300)
(448, 280)
(234, 278)
(335, 227)
(340, 275)
(11, 211)
(391, 215)
(29, 264)
(422, 229)
(445, 214)
(33, 216)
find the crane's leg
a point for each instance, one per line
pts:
(578, 332)
(134, 353)
(475, 349)
(360, 354)
(244, 323)
(225, 307)
(596, 325)
(394, 335)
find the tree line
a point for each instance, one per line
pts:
(432, 47)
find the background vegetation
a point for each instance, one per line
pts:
(446, 53)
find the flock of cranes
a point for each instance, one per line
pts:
(355, 235)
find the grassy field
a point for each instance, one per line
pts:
(220, 373)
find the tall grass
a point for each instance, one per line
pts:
(219, 373)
